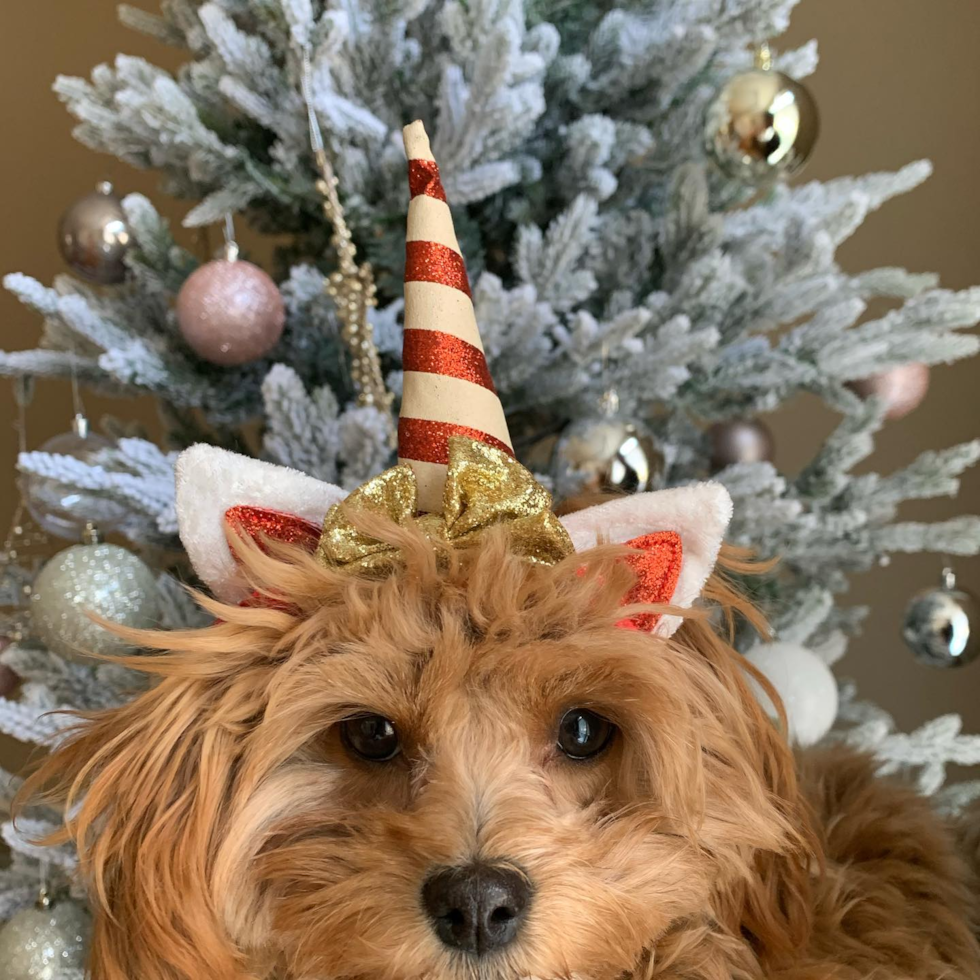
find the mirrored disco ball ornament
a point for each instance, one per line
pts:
(605, 454)
(761, 125)
(942, 625)
(103, 579)
(94, 236)
(45, 943)
(64, 511)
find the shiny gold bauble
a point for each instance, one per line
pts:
(605, 454)
(762, 124)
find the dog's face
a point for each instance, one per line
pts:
(456, 773)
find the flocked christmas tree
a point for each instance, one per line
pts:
(644, 284)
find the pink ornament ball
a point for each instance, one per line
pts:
(230, 312)
(901, 388)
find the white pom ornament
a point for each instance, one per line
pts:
(803, 682)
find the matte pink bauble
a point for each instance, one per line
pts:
(230, 312)
(901, 388)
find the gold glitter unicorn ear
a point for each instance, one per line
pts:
(448, 390)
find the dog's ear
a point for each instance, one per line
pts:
(680, 532)
(218, 490)
(148, 788)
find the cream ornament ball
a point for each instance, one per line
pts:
(103, 579)
(45, 943)
(805, 685)
(230, 311)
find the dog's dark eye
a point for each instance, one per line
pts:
(371, 737)
(583, 734)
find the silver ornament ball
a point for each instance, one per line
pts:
(64, 511)
(605, 454)
(740, 441)
(43, 944)
(94, 236)
(103, 579)
(760, 126)
(230, 312)
(942, 625)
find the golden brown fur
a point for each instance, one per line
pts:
(227, 834)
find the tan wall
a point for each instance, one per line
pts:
(899, 80)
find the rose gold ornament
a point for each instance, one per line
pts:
(901, 388)
(230, 312)
(740, 441)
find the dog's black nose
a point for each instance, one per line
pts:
(477, 908)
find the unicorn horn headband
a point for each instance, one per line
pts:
(447, 390)
(457, 475)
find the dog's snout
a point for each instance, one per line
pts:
(477, 908)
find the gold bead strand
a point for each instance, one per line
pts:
(351, 285)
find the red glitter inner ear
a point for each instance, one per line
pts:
(259, 524)
(657, 570)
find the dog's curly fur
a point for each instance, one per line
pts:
(226, 833)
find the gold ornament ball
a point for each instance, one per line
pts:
(606, 454)
(740, 441)
(42, 944)
(901, 388)
(103, 579)
(761, 125)
(94, 236)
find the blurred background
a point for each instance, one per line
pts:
(898, 80)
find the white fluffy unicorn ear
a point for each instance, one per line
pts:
(680, 532)
(216, 487)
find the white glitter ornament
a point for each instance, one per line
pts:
(803, 682)
(103, 579)
(45, 943)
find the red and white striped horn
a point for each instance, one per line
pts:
(447, 387)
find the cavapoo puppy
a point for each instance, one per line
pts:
(469, 770)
